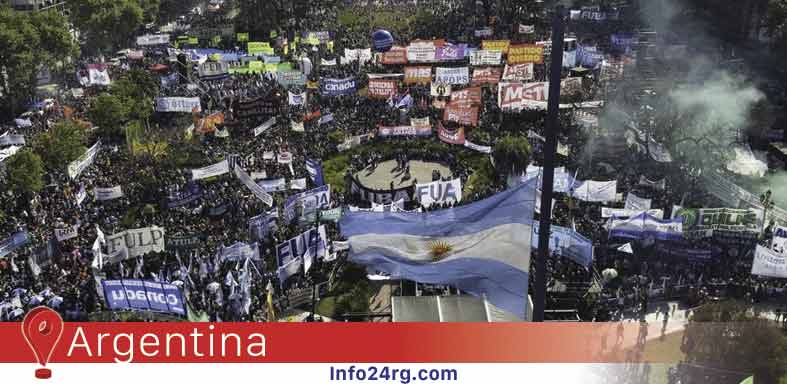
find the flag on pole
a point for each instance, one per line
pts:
(626, 248)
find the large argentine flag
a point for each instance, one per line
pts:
(482, 248)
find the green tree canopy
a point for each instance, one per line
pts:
(29, 42)
(107, 24)
(511, 155)
(25, 172)
(136, 90)
(108, 113)
(62, 144)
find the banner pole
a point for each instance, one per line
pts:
(553, 104)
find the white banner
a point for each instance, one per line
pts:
(9, 139)
(769, 263)
(596, 191)
(134, 243)
(779, 241)
(527, 29)
(284, 158)
(440, 90)
(70, 232)
(456, 76)
(8, 152)
(298, 184)
(152, 39)
(253, 187)
(617, 212)
(421, 52)
(264, 126)
(518, 72)
(297, 126)
(217, 169)
(178, 104)
(485, 57)
(112, 193)
(296, 98)
(479, 148)
(77, 166)
(273, 185)
(97, 76)
(439, 192)
(636, 203)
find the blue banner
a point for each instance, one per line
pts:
(623, 41)
(314, 168)
(587, 57)
(239, 252)
(644, 226)
(193, 192)
(567, 243)
(336, 87)
(144, 295)
(261, 225)
(16, 241)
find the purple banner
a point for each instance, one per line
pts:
(450, 52)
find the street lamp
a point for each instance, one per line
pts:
(767, 204)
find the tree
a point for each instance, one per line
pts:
(62, 144)
(512, 155)
(106, 24)
(25, 172)
(728, 336)
(109, 113)
(136, 90)
(29, 42)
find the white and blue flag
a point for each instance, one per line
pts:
(315, 171)
(482, 248)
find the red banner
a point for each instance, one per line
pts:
(519, 96)
(526, 53)
(467, 96)
(488, 75)
(451, 136)
(418, 75)
(397, 55)
(461, 114)
(382, 89)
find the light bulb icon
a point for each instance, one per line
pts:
(42, 329)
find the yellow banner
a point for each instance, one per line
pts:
(498, 45)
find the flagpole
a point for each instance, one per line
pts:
(553, 103)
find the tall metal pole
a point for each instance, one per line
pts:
(553, 104)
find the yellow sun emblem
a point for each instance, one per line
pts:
(439, 249)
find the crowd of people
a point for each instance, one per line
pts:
(63, 275)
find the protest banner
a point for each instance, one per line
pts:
(133, 294)
(255, 189)
(454, 76)
(518, 72)
(461, 114)
(421, 52)
(146, 40)
(307, 202)
(403, 130)
(566, 243)
(485, 57)
(133, 243)
(417, 75)
(336, 87)
(178, 104)
(77, 166)
(496, 45)
(769, 263)
(383, 196)
(451, 136)
(450, 52)
(526, 53)
(217, 169)
(517, 96)
(382, 89)
(395, 56)
(440, 90)
(69, 232)
(486, 75)
(270, 123)
(102, 194)
(439, 192)
(706, 222)
(466, 97)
